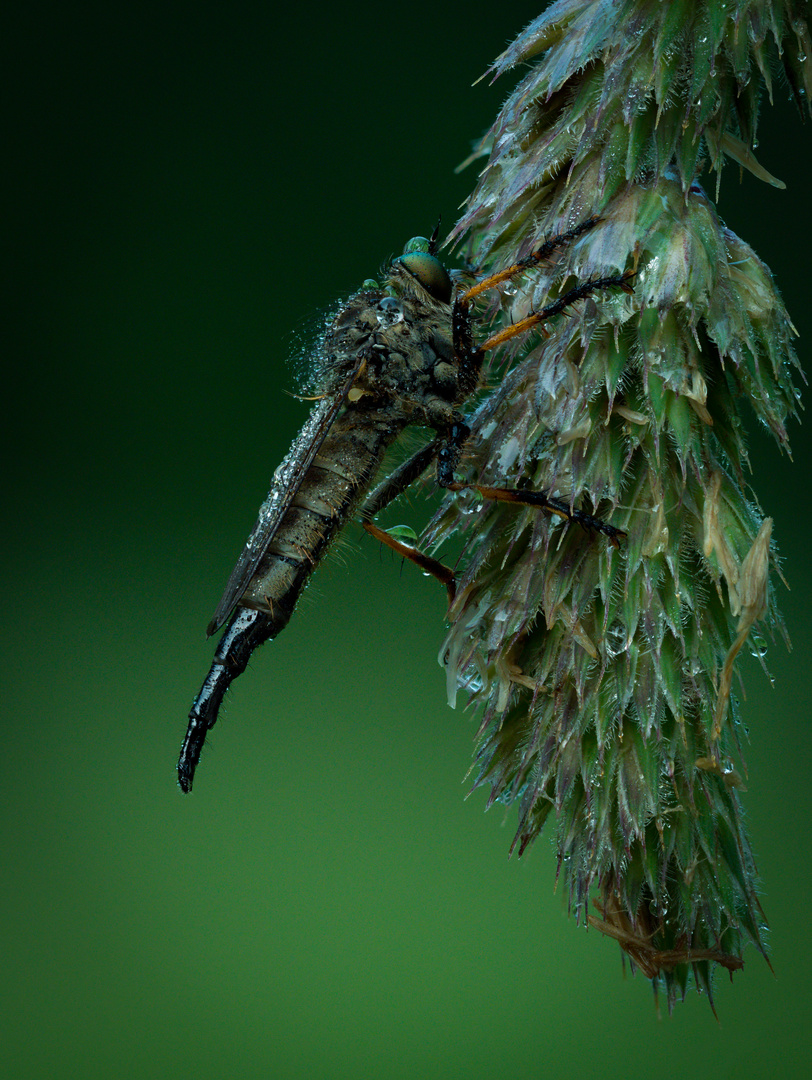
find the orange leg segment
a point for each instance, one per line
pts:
(431, 566)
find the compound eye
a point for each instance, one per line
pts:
(430, 272)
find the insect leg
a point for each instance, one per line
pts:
(572, 296)
(388, 490)
(470, 356)
(400, 478)
(448, 457)
(443, 573)
(544, 251)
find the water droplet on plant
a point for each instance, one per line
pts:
(758, 646)
(615, 641)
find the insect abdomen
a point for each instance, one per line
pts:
(329, 493)
(326, 498)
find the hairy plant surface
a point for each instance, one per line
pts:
(605, 677)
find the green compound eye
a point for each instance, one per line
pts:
(430, 272)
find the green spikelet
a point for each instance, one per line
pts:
(605, 677)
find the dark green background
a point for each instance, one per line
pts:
(190, 184)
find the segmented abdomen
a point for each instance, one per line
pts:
(334, 484)
(330, 490)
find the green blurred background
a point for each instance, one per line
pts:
(191, 184)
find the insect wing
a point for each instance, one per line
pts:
(286, 482)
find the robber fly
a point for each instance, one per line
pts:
(395, 355)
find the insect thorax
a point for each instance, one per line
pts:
(403, 338)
